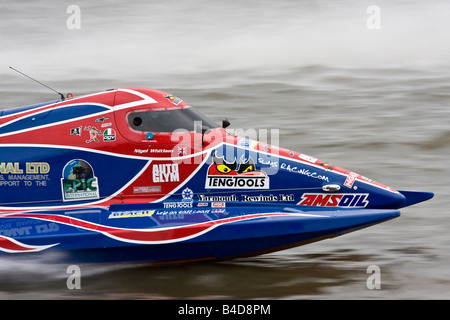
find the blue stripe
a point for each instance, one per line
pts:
(9, 112)
(52, 116)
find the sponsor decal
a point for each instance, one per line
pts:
(260, 198)
(215, 211)
(188, 211)
(242, 175)
(79, 182)
(351, 178)
(187, 200)
(102, 119)
(176, 101)
(141, 151)
(353, 200)
(203, 197)
(367, 179)
(327, 166)
(305, 172)
(75, 131)
(104, 125)
(131, 214)
(13, 174)
(273, 164)
(93, 134)
(32, 227)
(10, 167)
(160, 151)
(171, 215)
(30, 168)
(147, 189)
(166, 172)
(109, 135)
(267, 198)
(307, 158)
(217, 204)
(162, 215)
(187, 194)
(246, 198)
(237, 182)
(174, 205)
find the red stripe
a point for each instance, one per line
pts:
(149, 235)
(7, 244)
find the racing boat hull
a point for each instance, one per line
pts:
(161, 235)
(124, 175)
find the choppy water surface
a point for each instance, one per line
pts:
(373, 101)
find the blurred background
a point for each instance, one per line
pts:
(364, 85)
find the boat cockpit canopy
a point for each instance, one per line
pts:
(168, 120)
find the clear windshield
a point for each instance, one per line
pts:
(168, 120)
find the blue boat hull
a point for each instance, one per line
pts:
(146, 232)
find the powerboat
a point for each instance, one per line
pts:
(137, 174)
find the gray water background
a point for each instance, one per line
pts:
(372, 101)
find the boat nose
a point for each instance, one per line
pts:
(380, 196)
(397, 200)
(387, 199)
(367, 195)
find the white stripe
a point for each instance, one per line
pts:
(33, 248)
(147, 100)
(312, 165)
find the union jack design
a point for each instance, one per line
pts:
(182, 151)
(137, 236)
